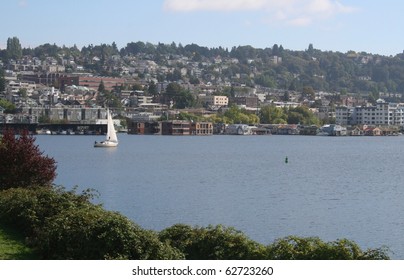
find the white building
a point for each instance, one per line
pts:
(141, 99)
(282, 104)
(381, 114)
(343, 115)
(216, 100)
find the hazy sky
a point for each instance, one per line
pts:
(370, 26)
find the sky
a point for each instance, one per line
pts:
(330, 25)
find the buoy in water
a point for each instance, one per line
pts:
(286, 159)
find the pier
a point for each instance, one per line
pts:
(55, 129)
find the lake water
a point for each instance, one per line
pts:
(331, 187)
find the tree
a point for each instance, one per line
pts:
(101, 87)
(308, 92)
(14, 50)
(286, 96)
(9, 108)
(137, 87)
(22, 164)
(237, 115)
(275, 50)
(2, 81)
(194, 80)
(272, 114)
(182, 98)
(302, 115)
(310, 50)
(112, 101)
(175, 76)
(152, 89)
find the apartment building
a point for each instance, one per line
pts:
(216, 100)
(382, 113)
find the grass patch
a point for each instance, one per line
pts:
(12, 246)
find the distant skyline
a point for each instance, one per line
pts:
(330, 25)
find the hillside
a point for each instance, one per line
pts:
(272, 67)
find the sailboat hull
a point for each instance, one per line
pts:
(105, 144)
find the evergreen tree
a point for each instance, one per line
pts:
(14, 50)
(152, 89)
(2, 81)
(310, 50)
(101, 87)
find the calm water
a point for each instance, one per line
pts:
(346, 187)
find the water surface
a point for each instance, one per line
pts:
(331, 187)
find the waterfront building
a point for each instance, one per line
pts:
(172, 127)
(201, 128)
(382, 113)
(60, 113)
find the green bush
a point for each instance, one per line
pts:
(94, 233)
(212, 243)
(313, 248)
(64, 225)
(28, 209)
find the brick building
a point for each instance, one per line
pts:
(91, 82)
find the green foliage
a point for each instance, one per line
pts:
(2, 83)
(308, 92)
(273, 115)
(101, 87)
(9, 108)
(313, 248)
(321, 70)
(266, 81)
(181, 98)
(27, 209)
(212, 243)
(22, 164)
(14, 50)
(111, 100)
(237, 115)
(152, 89)
(302, 115)
(194, 80)
(64, 225)
(190, 117)
(93, 233)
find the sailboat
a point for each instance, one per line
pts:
(111, 140)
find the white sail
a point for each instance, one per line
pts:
(111, 140)
(111, 133)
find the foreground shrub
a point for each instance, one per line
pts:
(93, 233)
(28, 209)
(313, 248)
(64, 225)
(212, 243)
